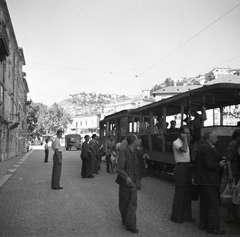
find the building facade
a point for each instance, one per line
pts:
(84, 124)
(13, 90)
(138, 101)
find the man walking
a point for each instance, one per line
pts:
(57, 161)
(128, 175)
(181, 208)
(209, 178)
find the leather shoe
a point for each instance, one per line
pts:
(58, 188)
(203, 227)
(177, 221)
(132, 230)
(91, 176)
(233, 221)
(217, 232)
(189, 220)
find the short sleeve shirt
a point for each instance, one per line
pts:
(56, 144)
(179, 155)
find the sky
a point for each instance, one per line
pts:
(121, 46)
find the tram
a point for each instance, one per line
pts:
(142, 121)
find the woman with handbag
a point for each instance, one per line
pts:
(233, 165)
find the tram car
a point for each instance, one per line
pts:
(143, 121)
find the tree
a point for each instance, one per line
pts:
(169, 82)
(209, 76)
(36, 119)
(42, 120)
(57, 119)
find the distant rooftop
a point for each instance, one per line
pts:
(176, 89)
(225, 79)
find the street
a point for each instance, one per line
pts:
(86, 207)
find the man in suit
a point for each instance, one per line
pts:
(128, 175)
(209, 169)
(86, 171)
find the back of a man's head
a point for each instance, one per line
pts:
(131, 138)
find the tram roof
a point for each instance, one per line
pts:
(212, 96)
(117, 114)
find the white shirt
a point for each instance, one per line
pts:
(179, 155)
(56, 144)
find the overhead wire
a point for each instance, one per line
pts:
(136, 76)
(217, 65)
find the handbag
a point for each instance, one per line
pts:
(227, 195)
(236, 194)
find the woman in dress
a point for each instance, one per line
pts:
(233, 165)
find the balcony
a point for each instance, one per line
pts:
(4, 42)
(14, 122)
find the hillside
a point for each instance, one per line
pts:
(89, 103)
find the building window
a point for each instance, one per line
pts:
(80, 124)
(86, 123)
(76, 124)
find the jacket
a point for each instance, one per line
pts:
(85, 149)
(127, 167)
(208, 167)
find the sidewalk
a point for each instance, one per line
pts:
(7, 168)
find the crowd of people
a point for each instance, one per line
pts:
(209, 169)
(128, 157)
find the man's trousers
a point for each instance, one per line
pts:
(128, 205)
(181, 208)
(46, 155)
(108, 163)
(57, 169)
(210, 207)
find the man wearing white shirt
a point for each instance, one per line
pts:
(181, 208)
(57, 161)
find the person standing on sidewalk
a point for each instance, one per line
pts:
(209, 178)
(181, 208)
(57, 161)
(128, 175)
(46, 148)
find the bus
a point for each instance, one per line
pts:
(142, 121)
(73, 141)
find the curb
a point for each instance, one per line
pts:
(10, 172)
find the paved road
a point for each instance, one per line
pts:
(85, 207)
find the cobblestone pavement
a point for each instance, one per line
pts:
(85, 207)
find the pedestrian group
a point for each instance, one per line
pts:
(129, 159)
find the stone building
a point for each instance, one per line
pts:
(13, 90)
